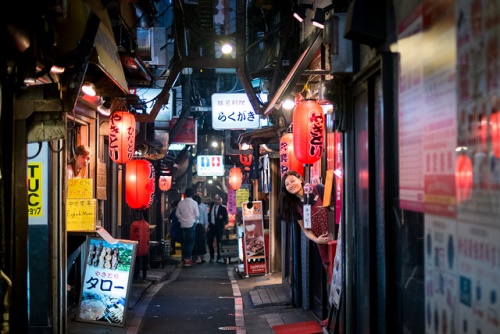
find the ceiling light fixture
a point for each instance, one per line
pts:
(300, 12)
(89, 89)
(226, 48)
(319, 16)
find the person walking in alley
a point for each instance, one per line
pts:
(291, 200)
(217, 218)
(175, 228)
(200, 245)
(188, 213)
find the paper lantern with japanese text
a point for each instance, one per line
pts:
(235, 178)
(308, 128)
(491, 130)
(165, 182)
(139, 184)
(463, 178)
(121, 136)
(246, 159)
(288, 161)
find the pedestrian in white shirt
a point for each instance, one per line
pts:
(188, 213)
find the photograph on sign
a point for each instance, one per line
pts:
(107, 280)
(233, 111)
(254, 244)
(210, 165)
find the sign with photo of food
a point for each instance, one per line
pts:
(254, 239)
(107, 280)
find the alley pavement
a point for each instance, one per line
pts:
(205, 298)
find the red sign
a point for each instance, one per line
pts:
(188, 133)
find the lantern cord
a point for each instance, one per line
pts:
(56, 151)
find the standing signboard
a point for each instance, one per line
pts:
(107, 280)
(254, 241)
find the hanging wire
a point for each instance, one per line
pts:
(56, 151)
(37, 152)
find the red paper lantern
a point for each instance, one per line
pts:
(235, 178)
(139, 184)
(165, 183)
(493, 126)
(288, 161)
(308, 128)
(121, 136)
(463, 178)
(246, 160)
(139, 231)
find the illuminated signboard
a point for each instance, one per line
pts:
(107, 280)
(210, 165)
(233, 112)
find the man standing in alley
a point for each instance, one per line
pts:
(217, 218)
(188, 213)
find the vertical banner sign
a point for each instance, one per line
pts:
(107, 281)
(254, 243)
(35, 189)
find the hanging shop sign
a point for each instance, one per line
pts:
(35, 182)
(188, 133)
(233, 112)
(210, 165)
(254, 248)
(107, 281)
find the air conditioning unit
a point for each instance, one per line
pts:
(152, 46)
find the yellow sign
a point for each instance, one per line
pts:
(35, 189)
(80, 188)
(241, 196)
(81, 215)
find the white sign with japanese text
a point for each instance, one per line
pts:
(233, 111)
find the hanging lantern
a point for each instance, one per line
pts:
(495, 133)
(139, 231)
(235, 178)
(121, 136)
(288, 161)
(491, 129)
(246, 160)
(308, 128)
(165, 183)
(463, 178)
(139, 184)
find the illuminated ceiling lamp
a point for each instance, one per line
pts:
(226, 48)
(89, 89)
(235, 178)
(319, 16)
(300, 12)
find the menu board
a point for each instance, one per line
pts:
(81, 215)
(107, 281)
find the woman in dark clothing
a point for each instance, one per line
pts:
(175, 228)
(291, 200)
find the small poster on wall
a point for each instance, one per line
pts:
(254, 241)
(107, 280)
